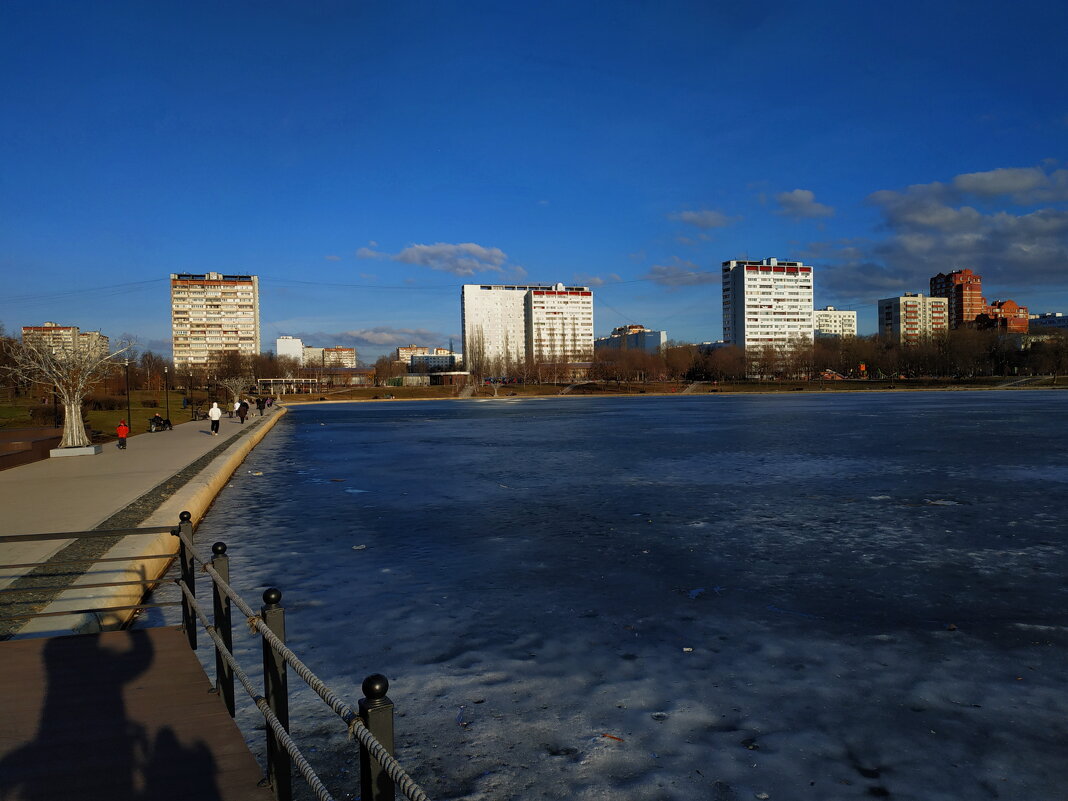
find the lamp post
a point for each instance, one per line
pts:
(129, 412)
(167, 392)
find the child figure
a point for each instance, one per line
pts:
(123, 431)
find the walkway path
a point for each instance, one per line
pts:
(120, 716)
(114, 489)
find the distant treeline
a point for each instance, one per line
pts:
(963, 353)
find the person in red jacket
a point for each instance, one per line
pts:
(123, 431)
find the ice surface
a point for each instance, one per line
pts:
(808, 597)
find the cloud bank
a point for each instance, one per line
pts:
(1010, 225)
(462, 259)
(682, 273)
(704, 218)
(800, 204)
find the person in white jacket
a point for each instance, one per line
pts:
(215, 414)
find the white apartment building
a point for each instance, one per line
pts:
(64, 337)
(405, 352)
(559, 324)
(339, 357)
(913, 318)
(507, 324)
(291, 347)
(211, 314)
(832, 322)
(767, 302)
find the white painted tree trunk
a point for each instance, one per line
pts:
(74, 435)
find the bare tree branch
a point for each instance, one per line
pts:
(71, 370)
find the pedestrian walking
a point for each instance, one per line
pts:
(237, 405)
(242, 410)
(261, 404)
(215, 415)
(123, 431)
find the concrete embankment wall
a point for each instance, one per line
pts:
(196, 497)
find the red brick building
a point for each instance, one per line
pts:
(1005, 315)
(967, 306)
(964, 291)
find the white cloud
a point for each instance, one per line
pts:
(682, 273)
(462, 259)
(801, 204)
(332, 257)
(704, 218)
(595, 280)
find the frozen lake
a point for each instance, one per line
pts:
(835, 596)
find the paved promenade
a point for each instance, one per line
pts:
(118, 489)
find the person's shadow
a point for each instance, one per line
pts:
(86, 745)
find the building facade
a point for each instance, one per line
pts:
(1006, 316)
(339, 357)
(967, 306)
(506, 325)
(559, 324)
(913, 318)
(433, 362)
(832, 322)
(212, 314)
(290, 347)
(1044, 322)
(632, 337)
(767, 302)
(57, 338)
(406, 352)
(963, 289)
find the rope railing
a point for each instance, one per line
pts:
(357, 729)
(284, 739)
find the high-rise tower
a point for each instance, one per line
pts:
(767, 302)
(212, 314)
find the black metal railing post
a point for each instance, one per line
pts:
(276, 691)
(376, 712)
(224, 674)
(186, 555)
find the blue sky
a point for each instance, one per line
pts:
(366, 159)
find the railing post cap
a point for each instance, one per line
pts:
(375, 687)
(272, 596)
(185, 517)
(218, 548)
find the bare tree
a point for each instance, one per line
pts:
(71, 370)
(236, 386)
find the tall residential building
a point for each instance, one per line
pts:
(291, 347)
(632, 337)
(964, 291)
(767, 302)
(559, 324)
(832, 322)
(213, 314)
(967, 306)
(913, 318)
(339, 357)
(64, 337)
(512, 323)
